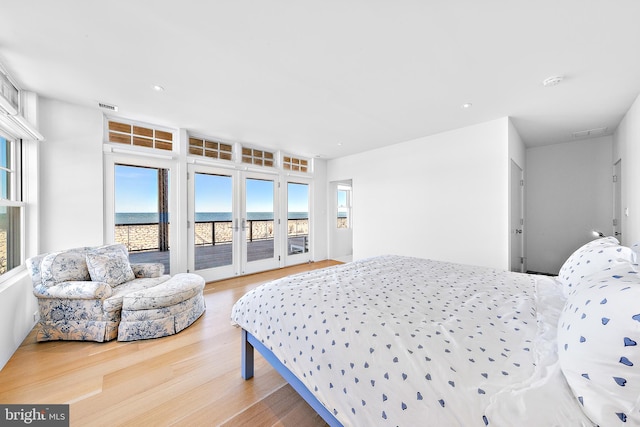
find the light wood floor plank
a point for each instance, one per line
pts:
(189, 379)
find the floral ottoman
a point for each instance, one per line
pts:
(162, 310)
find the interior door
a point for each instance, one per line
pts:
(617, 200)
(259, 223)
(517, 218)
(213, 229)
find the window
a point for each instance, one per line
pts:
(140, 136)
(295, 164)
(212, 149)
(257, 157)
(11, 205)
(344, 207)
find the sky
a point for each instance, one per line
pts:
(137, 191)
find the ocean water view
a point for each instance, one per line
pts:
(152, 217)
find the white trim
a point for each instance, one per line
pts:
(19, 127)
(108, 148)
(224, 164)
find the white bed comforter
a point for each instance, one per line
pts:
(403, 341)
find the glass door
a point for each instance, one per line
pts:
(298, 223)
(233, 225)
(212, 235)
(142, 212)
(259, 223)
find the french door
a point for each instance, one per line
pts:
(298, 221)
(234, 222)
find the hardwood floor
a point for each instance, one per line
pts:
(188, 379)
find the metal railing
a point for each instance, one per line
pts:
(144, 237)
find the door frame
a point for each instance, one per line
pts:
(300, 258)
(516, 231)
(239, 265)
(249, 267)
(617, 200)
(225, 271)
(110, 160)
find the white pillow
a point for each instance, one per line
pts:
(111, 267)
(599, 346)
(593, 257)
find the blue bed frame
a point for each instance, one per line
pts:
(249, 342)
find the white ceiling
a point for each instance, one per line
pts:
(331, 78)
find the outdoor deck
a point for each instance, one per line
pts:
(210, 256)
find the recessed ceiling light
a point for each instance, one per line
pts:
(339, 144)
(158, 88)
(467, 105)
(552, 81)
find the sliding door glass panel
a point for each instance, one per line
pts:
(141, 212)
(213, 228)
(297, 218)
(258, 222)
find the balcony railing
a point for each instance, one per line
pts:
(144, 237)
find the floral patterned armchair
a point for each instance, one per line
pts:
(80, 291)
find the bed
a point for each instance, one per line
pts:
(404, 341)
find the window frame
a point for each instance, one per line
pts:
(347, 208)
(14, 199)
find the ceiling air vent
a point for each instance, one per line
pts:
(108, 106)
(591, 133)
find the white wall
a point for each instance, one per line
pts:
(319, 207)
(627, 148)
(17, 305)
(71, 178)
(569, 192)
(68, 203)
(442, 197)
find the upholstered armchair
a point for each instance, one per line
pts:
(80, 291)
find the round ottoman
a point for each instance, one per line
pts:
(162, 310)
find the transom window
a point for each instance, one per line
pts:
(257, 157)
(297, 164)
(141, 136)
(212, 149)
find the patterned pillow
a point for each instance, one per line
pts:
(111, 267)
(58, 267)
(593, 257)
(110, 248)
(599, 346)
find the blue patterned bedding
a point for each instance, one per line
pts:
(403, 341)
